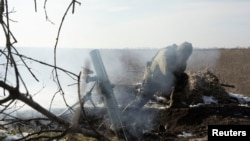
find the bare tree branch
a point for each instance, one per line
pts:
(46, 14)
(35, 5)
(1, 10)
(46, 64)
(11, 90)
(60, 89)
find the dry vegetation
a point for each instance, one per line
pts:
(230, 65)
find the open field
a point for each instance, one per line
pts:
(232, 66)
(126, 67)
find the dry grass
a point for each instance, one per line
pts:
(231, 66)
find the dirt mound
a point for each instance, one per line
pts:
(209, 104)
(189, 123)
(205, 84)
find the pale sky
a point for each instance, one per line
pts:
(133, 23)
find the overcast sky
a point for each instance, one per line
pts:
(133, 23)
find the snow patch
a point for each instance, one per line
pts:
(206, 100)
(209, 100)
(185, 134)
(241, 98)
(11, 137)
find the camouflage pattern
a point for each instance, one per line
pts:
(168, 66)
(164, 72)
(159, 74)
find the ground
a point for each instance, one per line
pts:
(187, 123)
(192, 123)
(208, 103)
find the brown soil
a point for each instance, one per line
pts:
(173, 123)
(190, 123)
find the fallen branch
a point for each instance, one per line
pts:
(14, 93)
(227, 85)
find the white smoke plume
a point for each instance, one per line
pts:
(202, 59)
(125, 68)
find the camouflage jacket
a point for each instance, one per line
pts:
(167, 66)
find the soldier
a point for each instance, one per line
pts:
(165, 73)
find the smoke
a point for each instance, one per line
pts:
(202, 59)
(125, 68)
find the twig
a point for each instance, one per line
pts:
(46, 14)
(1, 10)
(9, 45)
(55, 49)
(46, 64)
(227, 85)
(35, 5)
